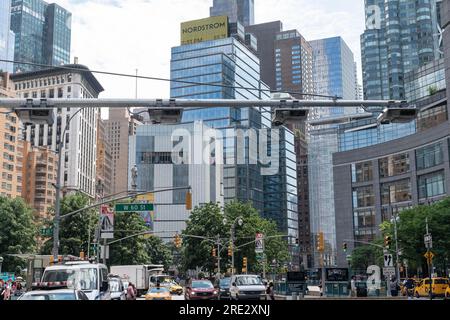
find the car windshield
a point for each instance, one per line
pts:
(85, 278)
(50, 296)
(158, 290)
(248, 281)
(57, 275)
(225, 282)
(114, 285)
(440, 281)
(202, 284)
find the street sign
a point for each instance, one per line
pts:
(259, 243)
(388, 260)
(149, 197)
(429, 256)
(107, 222)
(389, 272)
(428, 239)
(46, 232)
(134, 207)
(102, 250)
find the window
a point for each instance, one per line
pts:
(431, 185)
(363, 197)
(399, 191)
(429, 156)
(394, 165)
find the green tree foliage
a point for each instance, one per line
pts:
(364, 256)
(208, 221)
(18, 233)
(75, 231)
(412, 228)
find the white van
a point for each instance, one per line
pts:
(90, 278)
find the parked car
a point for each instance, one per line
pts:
(247, 287)
(118, 292)
(447, 293)
(438, 286)
(223, 286)
(200, 290)
(59, 294)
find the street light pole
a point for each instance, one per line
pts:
(1, 262)
(232, 231)
(397, 270)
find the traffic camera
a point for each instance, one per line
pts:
(36, 113)
(284, 116)
(165, 115)
(402, 114)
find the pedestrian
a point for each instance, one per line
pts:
(7, 292)
(270, 291)
(394, 287)
(353, 288)
(135, 292)
(409, 286)
(130, 292)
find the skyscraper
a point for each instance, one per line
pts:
(334, 75)
(242, 11)
(7, 37)
(43, 34)
(399, 36)
(230, 62)
(266, 33)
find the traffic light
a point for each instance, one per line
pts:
(189, 200)
(344, 246)
(297, 242)
(60, 259)
(387, 241)
(230, 250)
(82, 255)
(177, 241)
(214, 252)
(244, 263)
(320, 242)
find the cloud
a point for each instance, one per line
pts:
(125, 35)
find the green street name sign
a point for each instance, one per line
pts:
(134, 207)
(46, 232)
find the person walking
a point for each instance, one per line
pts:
(270, 291)
(353, 292)
(394, 287)
(409, 286)
(130, 292)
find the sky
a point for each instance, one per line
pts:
(125, 35)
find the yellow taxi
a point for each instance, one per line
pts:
(447, 293)
(158, 293)
(439, 287)
(175, 288)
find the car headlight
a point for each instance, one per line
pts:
(193, 293)
(215, 292)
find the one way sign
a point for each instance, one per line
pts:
(388, 260)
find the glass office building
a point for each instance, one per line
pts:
(242, 11)
(230, 62)
(6, 36)
(43, 34)
(333, 75)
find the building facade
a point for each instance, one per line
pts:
(10, 145)
(293, 64)
(233, 62)
(266, 34)
(104, 169)
(80, 148)
(373, 183)
(39, 172)
(399, 37)
(42, 34)
(119, 127)
(7, 37)
(242, 11)
(176, 157)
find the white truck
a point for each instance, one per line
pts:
(139, 275)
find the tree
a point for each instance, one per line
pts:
(364, 256)
(208, 221)
(159, 252)
(18, 232)
(76, 231)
